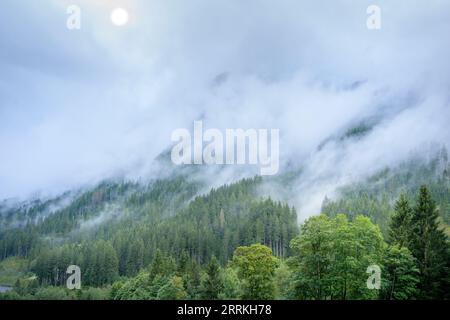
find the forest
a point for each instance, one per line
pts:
(171, 239)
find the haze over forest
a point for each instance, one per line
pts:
(86, 178)
(81, 106)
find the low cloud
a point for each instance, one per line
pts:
(77, 107)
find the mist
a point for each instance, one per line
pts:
(77, 107)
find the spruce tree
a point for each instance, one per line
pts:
(400, 274)
(182, 263)
(430, 247)
(212, 284)
(157, 266)
(400, 225)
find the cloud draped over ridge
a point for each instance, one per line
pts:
(80, 106)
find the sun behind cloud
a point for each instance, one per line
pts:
(119, 17)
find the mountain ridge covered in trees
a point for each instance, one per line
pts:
(171, 239)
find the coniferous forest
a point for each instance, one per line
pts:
(219, 152)
(175, 239)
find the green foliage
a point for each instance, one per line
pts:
(312, 258)
(212, 283)
(217, 223)
(429, 245)
(137, 288)
(24, 286)
(161, 266)
(400, 226)
(256, 269)
(98, 263)
(192, 279)
(400, 274)
(231, 285)
(11, 295)
(332, 255)
(375, 196)
(284, 282)
(53, 293)
(160, 241)
(172, 290)
(91, 293)
(12, 269)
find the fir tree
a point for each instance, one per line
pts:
(212, 284)
(430, 247)
(400, 225)
(400, 274)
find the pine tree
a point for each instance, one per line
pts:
(400, 274)
(192, 279)
(212, 284)
(182, 264)
(157, 266)
(400, 225)
(110, 264)
(429, 245)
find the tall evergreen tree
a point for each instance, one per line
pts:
(429, 245)
(400, 224)
(157, 266)
(212, 284)
(400, 274)
(192, 279)
(182, 264)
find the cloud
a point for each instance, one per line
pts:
(79, 106)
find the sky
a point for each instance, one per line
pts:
(79, 106)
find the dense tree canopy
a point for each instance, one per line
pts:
(168, 240)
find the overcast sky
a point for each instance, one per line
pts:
(82, 105)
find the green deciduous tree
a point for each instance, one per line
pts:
(283, 282)
(256, 269)
(172, 290)
(313, 256)
(331, 257)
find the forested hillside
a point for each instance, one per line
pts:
(375, 196)
(169, 239)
